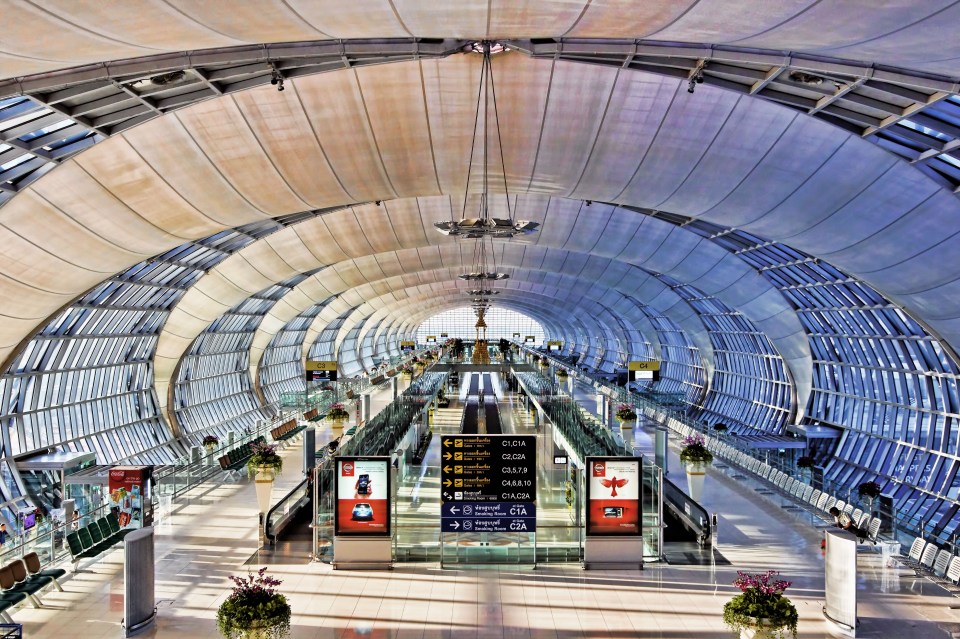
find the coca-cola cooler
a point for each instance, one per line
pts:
(129, 497)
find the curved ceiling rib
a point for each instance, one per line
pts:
(660, 247)
(901, 34)
(417, 303)
(147, 181)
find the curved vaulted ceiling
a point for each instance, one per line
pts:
(62, 33)
(400, 130)
(800, 204)
(400, 249)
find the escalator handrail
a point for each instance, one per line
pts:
(678, 501)
(267, 528)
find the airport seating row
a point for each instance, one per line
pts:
(935, 563)
(816, 501)
(23, 580)
(287, 430)
(236, 459)
(95, 538)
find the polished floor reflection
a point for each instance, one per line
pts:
(212, 534)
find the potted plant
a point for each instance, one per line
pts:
(407, 371)
(337, 414)
(210, 442)
(264, 465)
(562, 374)
(761, 610)
(626, 415)
(695, 458)
(264, 459)
(254, 609)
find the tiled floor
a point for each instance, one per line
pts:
(212, 535)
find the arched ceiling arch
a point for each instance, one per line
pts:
(659, 247)
(415, 304)
(909, 35)
(628, 137)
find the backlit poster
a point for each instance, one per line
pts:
(363, 496)
(613, 496)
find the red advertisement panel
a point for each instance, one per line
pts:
(613, 496)
(363, 496)
(126, 494)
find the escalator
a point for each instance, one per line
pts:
(491, 413)
(683, 518)
(470, 416)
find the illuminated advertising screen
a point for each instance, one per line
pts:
(613, 496)
(554, 346)
(408, 347)
(363, 496)
(431, 339)
(530, 339)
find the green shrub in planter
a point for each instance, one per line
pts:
(761, 604)
(255, 609)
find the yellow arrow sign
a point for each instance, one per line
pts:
(447, 456)
(447, 483)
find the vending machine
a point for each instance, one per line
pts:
(129, 497)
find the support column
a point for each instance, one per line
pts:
(365, 407)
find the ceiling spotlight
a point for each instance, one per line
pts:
(589, 202)
(806, 78)
(377, 202)
(276, 78)
(696, 76)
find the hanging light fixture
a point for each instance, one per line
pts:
(484, 267)
(484, 225)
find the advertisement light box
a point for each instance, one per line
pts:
(363, 497)
(613, 496)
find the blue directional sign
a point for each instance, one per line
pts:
(495, 509)
(488, 524)
(488, 516)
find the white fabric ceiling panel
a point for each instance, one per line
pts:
(318, 237)
(63, 237)
(589, 228)
(732, 156)
(121, 171)
(831, 187)
(169, 149)
(334, 104)
(914, 203)
(357, 19)
(684, 136)
(675, 250)
(409, 225)
(879, 29)
(630, 123)
(378, 228)
(779, 174)
(226, 138)
(45, 36)
(293, 249)
(343, 227)
(395, 107)
(279, 123)
(578, 93)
